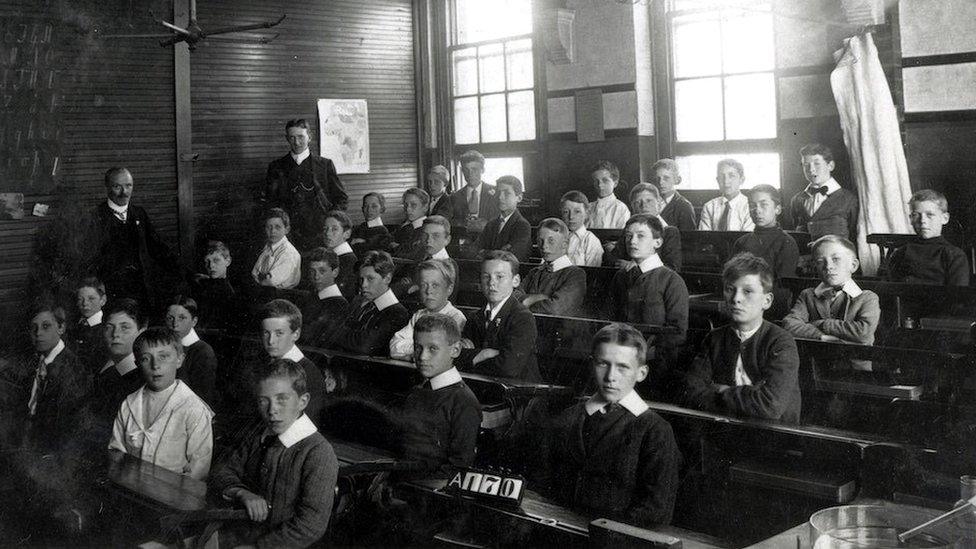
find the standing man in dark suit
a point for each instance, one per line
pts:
(305, 185)
(474, 204)
(129, 257)
(823, 207)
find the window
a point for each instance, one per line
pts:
(723, 88)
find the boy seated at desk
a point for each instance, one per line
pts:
(749, 367)
(767, 239)
(436, 236)
(376, 313)
(164, 422)
(199, 367)
(677, 210)
(336, 229)
(584, 247)
(280, 264)
(371, 234)
(610, 456)
(438, 181)
(930, 259)
(441, 416)
(509, 231)
(119, 376)
(408, 239)
(324, 311)
(500, 338)
(730, 210)
(648, 292)
(646, 199)
(85, 337)
(607, 211)
(216, 299)
(435, 280)
(284, 472)
(557, 287)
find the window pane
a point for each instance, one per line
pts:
(750, 106)
(521, 116)
(491, 64)
(698, 171)
(493, 118)
(747, 42)
(466, 120)
(479, 20)
(697, 46)
(519, 61)
(465, 72)
(754, 5)
(698, 109)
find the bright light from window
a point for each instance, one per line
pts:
(698, 171)
(495, 168)
(480, 20)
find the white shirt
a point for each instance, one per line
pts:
(94, 320)
(741, 377)
(813, 203)
(385, 300)
(342, 249)
(401, 344)
(440, 254)
(607, 213)
(120, 212)
(445, 379)
(633, 403)
(300, 157)
(493, 311)
(123, 367)
(48, 359)
(190, 338)
(561, 262)
(329, 291)
(651, 263)
(294, 354)
(298, 431)
(282, 261)
(850, 288)
(585, 249)
(378, 221)
(739, 219)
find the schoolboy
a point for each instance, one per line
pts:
(435, 281)
(371, 234)
(284, 472)
(730, 210)
(649, 292)
(584, 247)
(474, 204)
(748, 367)
(607, 212)
(164, 422)
(442, 416)
(611, 456)
(768, 240)
(509, 231)
(823, 207)
(375, 314)
(930, 259)
(837, 309)
(408, 238)
(438, 181)
(646, 199)
(199, 367)
(280, 264)
(119, 376)
(85, 337)
(215, 296)
(557, 287)
(500, 338)
(436, 232)
(677, 210)
(336, 232)
(325, 310)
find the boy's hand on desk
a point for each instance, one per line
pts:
(835, 339)
(257, 507)
(485, 354)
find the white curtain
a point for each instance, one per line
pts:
(870, 125)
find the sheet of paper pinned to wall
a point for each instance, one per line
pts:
(344, 134)
(589, 115)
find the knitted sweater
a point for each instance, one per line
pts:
(774, 245)
(931, 261)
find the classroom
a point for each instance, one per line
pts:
(488, 273)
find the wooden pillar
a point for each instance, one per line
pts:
(184, 144)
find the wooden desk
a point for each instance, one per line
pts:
(153, 486)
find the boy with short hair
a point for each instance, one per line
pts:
(646, 199)
(474, 204)
(284, 473)
(408, 238)
(438, 181)
(436, 235)
(649, 292)
(509, 231)
(768, 240)
(584, 247)
(730, 210)
(375, 314)
(435, 281)
(371, 234)
(219, 307)
(280, 264)
(677, 210)
(199, 365)
(931, 259)
(85, 337)
(442, 415)
(337, 228)
(823, 207)
(748, 367)
(119, 376)
(557, 287)
(164, 422)
(500, 338)
(325, 310)
(607, 212)
(610, 455)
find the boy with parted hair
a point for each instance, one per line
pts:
(646, 199)
(280, 264)
(930, 259)
(438, 183)
(119, 376)
(219, 307)
(730, 210)
(584, 247)
(336, 232)
(435, 280)
(371, 234)
(768, 240)
(325, 310)
(823, 207)
(677, 210)
(85, 336)
(557, 287)
(408, 238)
(607, 211)
(509, 231)
(376, 313)
(474, 204)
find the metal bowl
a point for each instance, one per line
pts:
(878, 526)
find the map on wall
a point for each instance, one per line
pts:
(344, 134)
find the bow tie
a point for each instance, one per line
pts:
(811, 190)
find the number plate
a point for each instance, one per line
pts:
(487, 485)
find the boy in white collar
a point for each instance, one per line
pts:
(730, 210)
(557, 287)
(85, 337)
(325, 310)
(607, 212)
(435, 281)
(119, 376)
(164, 422)
(375, 314)
(371, 234)
(284, 472)
(408, 238)
(823, 207)
(336, 233)
(280, 264)
(610, 455)
(509, 231)
(584, 247)
(199, 367)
